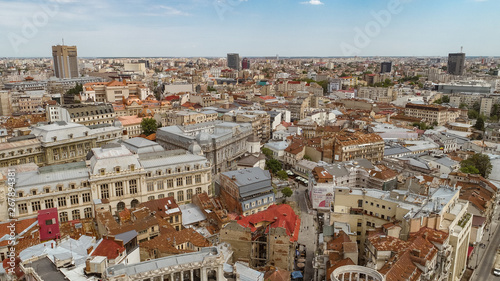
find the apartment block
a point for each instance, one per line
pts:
(432, 114)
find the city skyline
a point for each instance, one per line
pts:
(198, 28)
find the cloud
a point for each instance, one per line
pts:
(313, 2)
(171, 11)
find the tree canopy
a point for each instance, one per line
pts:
(75, 90)
(282, 175)
(273, 165)
(477, 164)
(479, 123)
(267, 152)
(148, 126)
(287, 191)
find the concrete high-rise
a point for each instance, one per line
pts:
(233, 61)
(456, 63)
(65, 61)
(386, 67)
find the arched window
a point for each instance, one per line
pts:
(120, 206)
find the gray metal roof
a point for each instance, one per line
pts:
(251, 181)
(395, 150)
(142, 145)
(127, 236)
(191, 214)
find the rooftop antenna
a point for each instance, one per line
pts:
(461, 49)
(63, 41)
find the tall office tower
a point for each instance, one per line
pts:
(65, 61)
(386, 67)
(245, 63)
(233, 61)
(456, 63)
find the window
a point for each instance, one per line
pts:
(117, 169)
(73, 199)
(170, 194)
(197, 179)
(23, 208)
(133, 186)
(61, 201)
(371, 203)
(49, 203)
(270, 199)
(179, 181)
(160, 196)
(265, 200)
(35, 206)
(151, 198)
(46, 190)
(378, 205)
(20, 194)
(159, 185)
(132, 167)
(253, 204)
(170, 183)
(148, 174)
(86, 197)
(388, 218)
(119, 188)
(169, 171)
(198, 190)
(33, 192)
(189, 180)
(158, 173)
(49, 222)
(102, 171)
(180, 196)
(189, 194)
(87, 213)
(75, 214)
(63, 217)
(151, 186)
(104, 191)
(382, 216)
(383, 206)
(359, 224)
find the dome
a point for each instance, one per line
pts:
(117, 124)
(146, 112)
(195, 149)
(253, 138)
(203, 138)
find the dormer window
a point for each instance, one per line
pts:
(72, 186)
(46, 190)
(20, 194)
(33, 192)
(54, 138)
(117, 169)
(70, 136)
(59, 188)
(102, 171)
(132, 167)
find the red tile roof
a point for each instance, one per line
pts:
(278, 216)
(108, 248)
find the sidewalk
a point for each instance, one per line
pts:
(478, 254)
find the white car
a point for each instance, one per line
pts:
(496, 272)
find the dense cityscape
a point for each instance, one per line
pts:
(238, 167)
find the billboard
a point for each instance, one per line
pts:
(322, 196)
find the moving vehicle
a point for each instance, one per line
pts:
(496, 265)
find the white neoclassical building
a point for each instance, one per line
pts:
(124, 175)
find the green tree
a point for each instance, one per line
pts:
(273, 165)
(473, 114)
(438, 101)
(282, 175)
(446, 99)
(75, 90)
(267, 152)
(307, 157)
(148, 126)
(469, 170)
(287, 192)
(462, 105)
(479, 123)
(476, 106)
(479, 161)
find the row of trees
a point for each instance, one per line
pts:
(276, 169)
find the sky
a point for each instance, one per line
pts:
(263, 28)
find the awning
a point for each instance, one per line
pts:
(297, 274)
(469, 252)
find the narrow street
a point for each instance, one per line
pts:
(484, 258)
(308, 232)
